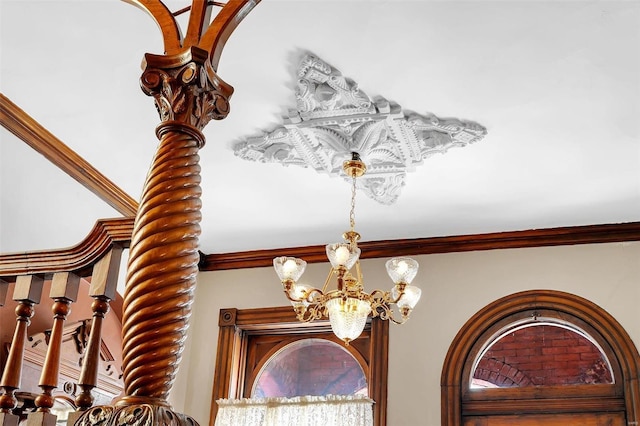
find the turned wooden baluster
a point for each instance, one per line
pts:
(104, 281)
(5, 418)
(27, 292)
(163, 257)
(64, 291)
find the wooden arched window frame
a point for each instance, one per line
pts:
(249, 337)
(623, 396)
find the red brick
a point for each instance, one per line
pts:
(567, 357)
(555, 350)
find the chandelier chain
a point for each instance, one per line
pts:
(352, 214)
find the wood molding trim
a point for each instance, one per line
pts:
(53, 149)
(591, 234)
(460, 354)
(78, 259)
(118, 231)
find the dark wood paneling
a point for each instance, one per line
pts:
(574, 419)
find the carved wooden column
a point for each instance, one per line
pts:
(163, 258)
(164, 247)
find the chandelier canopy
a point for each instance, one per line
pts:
(348, 305)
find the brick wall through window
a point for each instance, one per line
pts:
(542, 355)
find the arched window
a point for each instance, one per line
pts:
(261, 352)
(540, 352)
(310, 367)
(541, 357)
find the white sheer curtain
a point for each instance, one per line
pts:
(330, 410)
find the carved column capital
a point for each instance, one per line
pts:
(185, 87)
(140, 415)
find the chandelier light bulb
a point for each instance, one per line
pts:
(402, 269)
(289, 268)
(348, 317)
(410, 296)
(299, 294)
(342, 255)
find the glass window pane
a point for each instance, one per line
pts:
(310, 367)
(543, 353)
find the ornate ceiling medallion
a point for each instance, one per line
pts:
(334, 118)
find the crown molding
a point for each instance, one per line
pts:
(109, 232)
(592, 234)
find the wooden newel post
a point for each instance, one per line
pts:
(164, 256)
(163, 259)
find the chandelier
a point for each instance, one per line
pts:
(348, 305)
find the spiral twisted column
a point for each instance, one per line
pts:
(163, 266)
(163, 257)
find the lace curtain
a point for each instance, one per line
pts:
(330, 410)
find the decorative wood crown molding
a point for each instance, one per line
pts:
(118, 231)
(334, 117)
(592, 234)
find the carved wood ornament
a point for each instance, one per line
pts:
(163, 258)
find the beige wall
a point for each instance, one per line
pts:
(455, 286)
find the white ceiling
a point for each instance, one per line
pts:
(556, 84)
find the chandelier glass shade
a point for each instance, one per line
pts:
(347, 304)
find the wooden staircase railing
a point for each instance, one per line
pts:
(29, 273)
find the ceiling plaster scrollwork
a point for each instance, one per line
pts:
(333, 118)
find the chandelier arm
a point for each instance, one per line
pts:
(379, 301)
(314, 299)
(401, 290)
(395, 321)
(326, 282)
(314, 311)
(384, 311)
(380, 294)
(359, 275)
(291, 299)
(305, 314)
